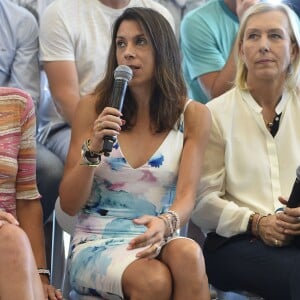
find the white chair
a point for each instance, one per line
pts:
(60, 277)
(57, 254)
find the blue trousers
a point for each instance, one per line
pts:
(244, 263)
(49, 172)
(59, 142)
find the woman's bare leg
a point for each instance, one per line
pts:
(186, 263)
(147, 279)
(18, 272)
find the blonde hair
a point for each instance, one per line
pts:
(293, 72)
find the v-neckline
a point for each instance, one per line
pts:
(153, 154)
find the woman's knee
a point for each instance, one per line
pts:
(146, 279)
(14, 244)
(184, 251)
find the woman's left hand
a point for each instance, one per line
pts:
(153, 237)
(271, 233)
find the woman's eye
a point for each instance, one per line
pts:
(275, 36)
(252, 36)
(120, 44)
(141, 41)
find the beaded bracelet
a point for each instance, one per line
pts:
(175, 219)
(45, 272)
(172, 222)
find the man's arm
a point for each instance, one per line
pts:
(64, 86)
(58, 59)
(25, 71)
(216, 83)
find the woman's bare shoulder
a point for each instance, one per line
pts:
(196, 109)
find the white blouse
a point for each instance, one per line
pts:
(246, 169)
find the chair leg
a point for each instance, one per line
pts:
(66, 287)
(57, 255)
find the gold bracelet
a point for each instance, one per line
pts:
(257, 224)
(89, 157)
(94, 153)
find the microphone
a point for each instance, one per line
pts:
(122, 75)
(294, 199)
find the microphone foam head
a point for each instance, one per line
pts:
(123, 72)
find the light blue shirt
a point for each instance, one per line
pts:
(207, 36)
(19, 64)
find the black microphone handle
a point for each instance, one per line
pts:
(294, 199)
(118, 95)
(108, 142)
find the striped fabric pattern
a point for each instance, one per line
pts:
(17, 148)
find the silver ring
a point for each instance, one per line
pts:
(276, 242)
(157, 249)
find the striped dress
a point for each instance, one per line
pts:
(17, 148)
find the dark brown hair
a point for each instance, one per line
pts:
(169, 92)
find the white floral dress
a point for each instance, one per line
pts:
(119, 194)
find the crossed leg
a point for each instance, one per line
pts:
(178, 274)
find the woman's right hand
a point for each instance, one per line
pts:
(6, 217)
(153, 237)
(108, 123)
